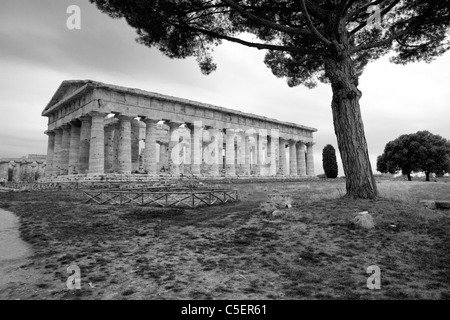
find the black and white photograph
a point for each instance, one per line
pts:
(225, 155)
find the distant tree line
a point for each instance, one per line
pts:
(417, 152)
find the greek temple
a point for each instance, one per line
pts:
(97, 129)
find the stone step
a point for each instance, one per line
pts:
(436, 204)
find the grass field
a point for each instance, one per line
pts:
(311, 251)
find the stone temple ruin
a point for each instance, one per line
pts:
(102, 131)
(25, 169)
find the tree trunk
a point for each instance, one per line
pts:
(349, 128)
(409, 176)
(427, 175)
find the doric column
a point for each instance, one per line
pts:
(301, 163)
(57, 152)
(182, 148)
(4, 171)
(24, 171)
(272, 153)
(230, 168)
(109, 146)
(85, 144)
(135, 145)
(65, 148)
(174, 160)
(150, 146)
(16, 172)
(34, 169)
(292, 158)
(240, 152)
(219, 135)
(204, 167)
(116, 139)
(163, 163)
(262, 152)
(74, 150)
(309, 159)
(247, 150)
(97, 147)
(50, 152)
(11, 169)
(40, 172)
(29, 172)
(124, 150)
(213, 152)
(275, 136)
(256, 156)
(282, 171)
(196, 141)
(235, 146)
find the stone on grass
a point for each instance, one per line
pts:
(280, 200)
(430, 204)
(435, 204)
(364, 220)
(278, 213)
(267, 208)
(274, 202)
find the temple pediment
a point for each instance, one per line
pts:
(66, 90)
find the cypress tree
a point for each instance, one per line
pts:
(329, 162)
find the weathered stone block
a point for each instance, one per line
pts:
(281, 200)
(430, 204)
(364, 220)
(442, 204)
(267, 208)
(278, 213)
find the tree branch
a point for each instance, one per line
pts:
(259, 46)
(341, 10)
(310, 24)
(206, 14)
(377, 43)
(306, 59)
(265, 22)
(315, 10)
(385, 41)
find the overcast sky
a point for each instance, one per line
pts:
(38, 52)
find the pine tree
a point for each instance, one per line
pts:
(306, 42)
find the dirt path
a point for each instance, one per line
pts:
(14, 254)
